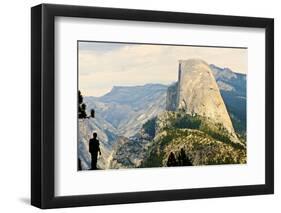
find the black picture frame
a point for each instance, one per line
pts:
(43, 105)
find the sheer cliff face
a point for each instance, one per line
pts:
(198, 93)
(171, 98)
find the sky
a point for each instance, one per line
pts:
(104, 65)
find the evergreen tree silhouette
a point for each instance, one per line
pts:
(80, 97)
(172, 160)
(82, 108)
(183, 160)
(83, 115)
(83, 111)
(92, 113)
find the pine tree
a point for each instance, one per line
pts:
(82, 108)
(92, 113)
(172, 160)
(80, 97)
(183, 159)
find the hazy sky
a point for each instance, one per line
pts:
(103, 65)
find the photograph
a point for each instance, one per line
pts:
(160, 105)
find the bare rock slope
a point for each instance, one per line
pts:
(198, 93)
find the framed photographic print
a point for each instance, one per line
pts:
(139, 106)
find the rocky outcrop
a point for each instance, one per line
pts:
(171, 100)
(129, 152)
(86, 129)
(198, 93)
(202, 141)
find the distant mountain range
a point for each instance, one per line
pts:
(127, 108)
(121, 113)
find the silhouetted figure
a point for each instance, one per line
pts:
(183, 160)
(172, 160)
(94, 149)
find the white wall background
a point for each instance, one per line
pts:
(15, 105)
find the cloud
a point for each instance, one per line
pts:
(132, 64)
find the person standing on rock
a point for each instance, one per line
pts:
(94, 149)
